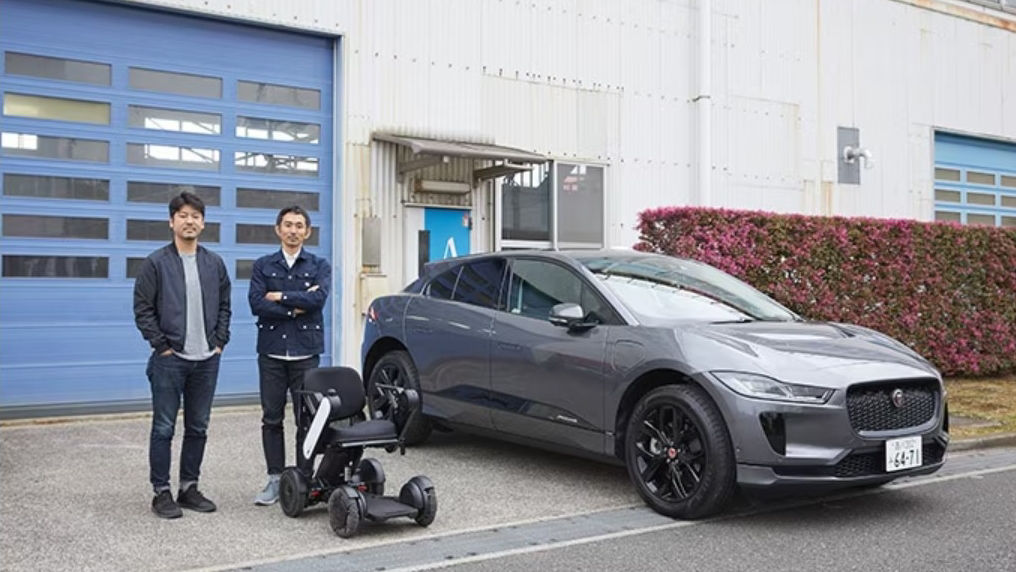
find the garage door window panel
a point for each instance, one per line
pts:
(270, 199)
(38, 226)
(173, 157)
(56, 108)
(278, 130)
(45, 67)
(175, 83)
(47, 147)
(49, 187)
(274, 94)
(28, 266)
(276, 164)
(162, 193)
(161, 119)
(265, 234)
(158, 230)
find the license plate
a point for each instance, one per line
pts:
(902, 454)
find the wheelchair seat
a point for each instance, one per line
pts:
(373, 431)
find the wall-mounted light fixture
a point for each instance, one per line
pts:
(448, 187)
(851, 155)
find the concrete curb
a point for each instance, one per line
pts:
(100, 417)
(985, 442)
(968, 444)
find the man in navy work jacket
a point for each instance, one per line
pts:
(288, 290)
(181, 306)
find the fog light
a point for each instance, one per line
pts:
(776, 431)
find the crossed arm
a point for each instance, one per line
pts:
(290, 303)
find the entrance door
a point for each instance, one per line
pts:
(434, 233)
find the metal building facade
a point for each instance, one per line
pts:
(620, 86)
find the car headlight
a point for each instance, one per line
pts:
(762, 387)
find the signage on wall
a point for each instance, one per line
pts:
(448, 231)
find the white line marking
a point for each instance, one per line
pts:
(422, 538)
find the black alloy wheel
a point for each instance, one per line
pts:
(393, 373)
(678, 452)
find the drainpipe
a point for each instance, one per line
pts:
(704, 102)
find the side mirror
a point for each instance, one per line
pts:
(571, 316)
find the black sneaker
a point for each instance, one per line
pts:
(193, 499)
(164, 506)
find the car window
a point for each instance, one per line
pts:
(480, 282)
(442, 285)
(537, 286)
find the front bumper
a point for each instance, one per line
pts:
(816, 445)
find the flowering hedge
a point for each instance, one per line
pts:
(948, 291)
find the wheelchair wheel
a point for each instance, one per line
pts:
(344, 511)
(372, 474)
(419, 492)
(292, 492)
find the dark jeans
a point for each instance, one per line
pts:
(171, 379)
(277, 378)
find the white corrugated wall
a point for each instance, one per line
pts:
(612, 82)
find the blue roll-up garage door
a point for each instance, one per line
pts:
(108, 112)
(975, 181)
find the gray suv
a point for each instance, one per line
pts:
(693, 379)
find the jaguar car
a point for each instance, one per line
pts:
(694, 380)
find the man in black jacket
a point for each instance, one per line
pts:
(181, 306)
(288, 290)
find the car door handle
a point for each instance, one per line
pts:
(509, 347)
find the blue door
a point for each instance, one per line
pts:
(108, 112)
(449, 232)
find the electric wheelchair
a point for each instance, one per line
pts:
(331, 425)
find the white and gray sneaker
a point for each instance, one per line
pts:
(270, 494)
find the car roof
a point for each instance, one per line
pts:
(573, 256)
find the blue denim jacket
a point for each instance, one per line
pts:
(281, 330)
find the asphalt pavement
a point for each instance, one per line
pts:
(75, 496)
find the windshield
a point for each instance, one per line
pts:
(666, 287)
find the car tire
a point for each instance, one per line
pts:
(397, 368)
(678, 453)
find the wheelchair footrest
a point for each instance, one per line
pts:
(383, 508)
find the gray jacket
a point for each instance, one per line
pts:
(160, 299)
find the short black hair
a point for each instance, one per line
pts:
(297, 209)
(186, 198)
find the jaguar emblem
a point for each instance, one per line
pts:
(897, 398)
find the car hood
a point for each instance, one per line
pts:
(815, 353)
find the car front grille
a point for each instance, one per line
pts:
(871, 406)
(865, 464)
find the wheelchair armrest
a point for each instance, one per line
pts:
(410, 399)
(407, 407)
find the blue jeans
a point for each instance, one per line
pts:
(171, 379)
